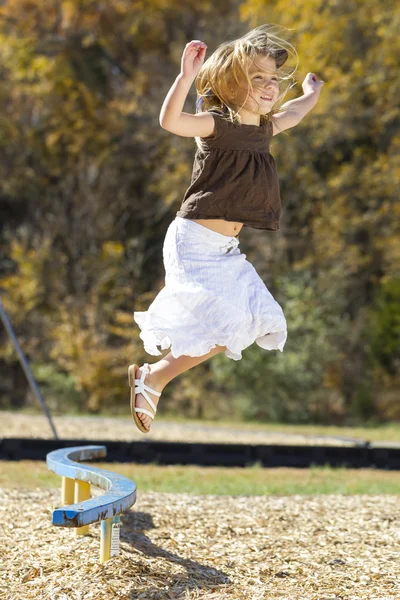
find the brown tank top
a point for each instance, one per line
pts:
(234, 177)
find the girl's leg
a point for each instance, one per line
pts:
(162, 372)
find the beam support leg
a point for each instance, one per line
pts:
(82, 493)
(109, 538)
(67, 491)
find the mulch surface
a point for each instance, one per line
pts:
(182, 546)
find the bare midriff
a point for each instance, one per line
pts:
(229, 228)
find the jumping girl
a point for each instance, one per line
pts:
(213, 299)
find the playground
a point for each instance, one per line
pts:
(291, 534)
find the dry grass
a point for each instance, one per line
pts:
(15, 424)
(181, 546)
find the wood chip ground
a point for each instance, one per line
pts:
(181, 547)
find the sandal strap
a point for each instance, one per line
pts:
(144, 410)
(141, 387)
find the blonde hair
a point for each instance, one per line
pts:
(231, 62)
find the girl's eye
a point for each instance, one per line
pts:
(259, 76)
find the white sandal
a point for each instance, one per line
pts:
(140, 388)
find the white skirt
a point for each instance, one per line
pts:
(212, 296)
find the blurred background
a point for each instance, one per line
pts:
(89, 182)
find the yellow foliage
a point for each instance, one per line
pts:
(112, 250)
(52, 138)
(70, 12)
(24, 288)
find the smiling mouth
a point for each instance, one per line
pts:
(266, 98)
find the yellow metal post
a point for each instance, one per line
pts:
(67, 491)
(82, 492)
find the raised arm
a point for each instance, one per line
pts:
(293, 111)
(171, 116)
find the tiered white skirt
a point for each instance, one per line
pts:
(212, 296)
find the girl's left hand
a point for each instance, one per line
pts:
(310, 83)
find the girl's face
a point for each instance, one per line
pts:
(264, 78)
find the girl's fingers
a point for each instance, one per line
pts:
(195, 45)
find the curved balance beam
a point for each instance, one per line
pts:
(76, 480)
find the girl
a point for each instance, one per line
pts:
(213, 299)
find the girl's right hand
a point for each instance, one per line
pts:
(193, 58)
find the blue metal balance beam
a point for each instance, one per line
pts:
(76, 480)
